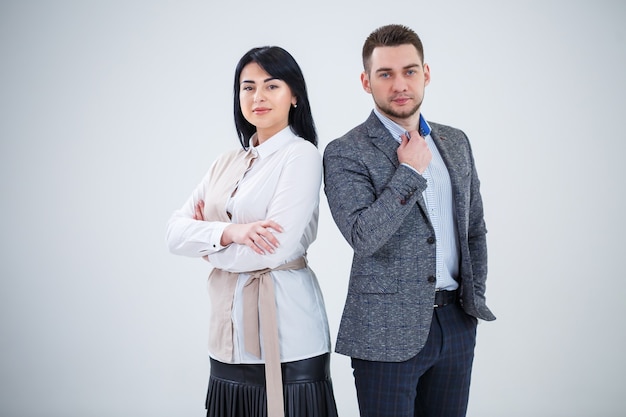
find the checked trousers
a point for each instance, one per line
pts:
(434, 383)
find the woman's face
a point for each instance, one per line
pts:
(265, 101)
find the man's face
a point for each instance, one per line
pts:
(396, 80)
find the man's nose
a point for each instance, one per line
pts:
(399, 84)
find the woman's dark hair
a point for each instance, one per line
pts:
(279, 64)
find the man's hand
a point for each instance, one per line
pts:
(414, 152)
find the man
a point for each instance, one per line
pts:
(405, 195)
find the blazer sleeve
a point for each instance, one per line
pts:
(369, 196)
(477, 230)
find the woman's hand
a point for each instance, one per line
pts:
(199, 212)
(258, 236)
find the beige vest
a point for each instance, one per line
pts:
(258, 293)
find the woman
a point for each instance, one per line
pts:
(253, 218)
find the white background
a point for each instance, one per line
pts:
(112, 111)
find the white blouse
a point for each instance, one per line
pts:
(283, 184)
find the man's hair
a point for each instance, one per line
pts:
(390, 35)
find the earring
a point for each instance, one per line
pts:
(295, 105)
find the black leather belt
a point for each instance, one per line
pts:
(444, 297)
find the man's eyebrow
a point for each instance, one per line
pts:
(384, 69)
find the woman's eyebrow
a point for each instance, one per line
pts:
(265, 80)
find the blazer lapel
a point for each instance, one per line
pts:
(381, 138)
(457, 170)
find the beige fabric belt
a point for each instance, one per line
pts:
(259, 310)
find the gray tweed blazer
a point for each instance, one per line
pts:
(378, 206)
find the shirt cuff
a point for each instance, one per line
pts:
(216, 237)
(410, 167)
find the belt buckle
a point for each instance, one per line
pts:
(436, 305)
(444, 301)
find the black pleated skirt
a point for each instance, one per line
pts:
(239, 390)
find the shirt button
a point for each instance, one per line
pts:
(430, 240)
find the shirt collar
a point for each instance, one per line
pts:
(273, 144)
(396, 130)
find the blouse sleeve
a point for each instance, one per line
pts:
(294, 203)
(189, 237)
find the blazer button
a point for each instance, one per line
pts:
(403, 201)
(430, 240)
(432, 279)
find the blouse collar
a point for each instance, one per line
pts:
(273, 144)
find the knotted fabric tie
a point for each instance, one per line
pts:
(259, 308)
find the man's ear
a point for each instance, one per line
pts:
(365, 82)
